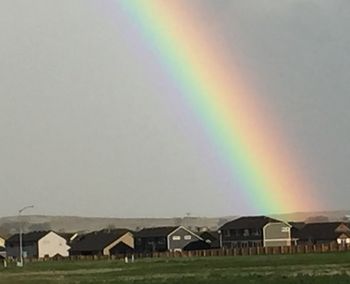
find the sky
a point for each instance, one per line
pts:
(91, 125)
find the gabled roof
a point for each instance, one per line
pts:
(28, 237)
(250, 222)
(155, 232)
(97, 241)
(323, 231)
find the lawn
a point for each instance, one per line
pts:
(308, 269)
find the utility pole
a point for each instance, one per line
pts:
(20, 264)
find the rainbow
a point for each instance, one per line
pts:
(234, 118)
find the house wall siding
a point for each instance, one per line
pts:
(177, 239)
(2, 242)
(30, 250)
(150, 244)
(277, 234)
(51, 245)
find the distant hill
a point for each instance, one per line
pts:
(10, 225)
(308, 217)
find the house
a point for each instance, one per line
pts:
(255, 231)
(164, 239)
(105, 242)
(38, 245)
(323, 233)
(2, 242)
(2, 248)
(212, 238)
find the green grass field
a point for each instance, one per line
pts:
(308, 269)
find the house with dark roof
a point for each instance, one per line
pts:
(161, 239)
(255, 231)
(106, 242)
(37, 245)
(323, 233)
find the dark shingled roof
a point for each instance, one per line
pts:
(97, 241)
(197, 245)
(210, 235)
(297, 225)
(251, 222)
(322, 231)
(28, 237)
(155, 232)
(296, 230)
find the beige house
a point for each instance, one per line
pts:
(38, 245)
(105, 242)
(2, 248)
(2, 242)
(277, 234)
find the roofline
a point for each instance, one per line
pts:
(47, 232)
(118, 239)
(178, 228)
(277, 221)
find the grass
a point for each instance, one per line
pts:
(310, 269)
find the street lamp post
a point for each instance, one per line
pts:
(20, 234)
(220, 238)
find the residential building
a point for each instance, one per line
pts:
(164, 239)
(37, 245)
(106, 242)
(2, 242)
(322, 233)
(255, 231)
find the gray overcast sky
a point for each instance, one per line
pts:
(85, 128)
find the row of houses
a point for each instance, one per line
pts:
(262, 231)
(258, 231)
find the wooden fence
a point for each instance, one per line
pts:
(253, 251)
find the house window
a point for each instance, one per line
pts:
(246, 233)
(285, 230)
(188, 237)
(176, 238)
